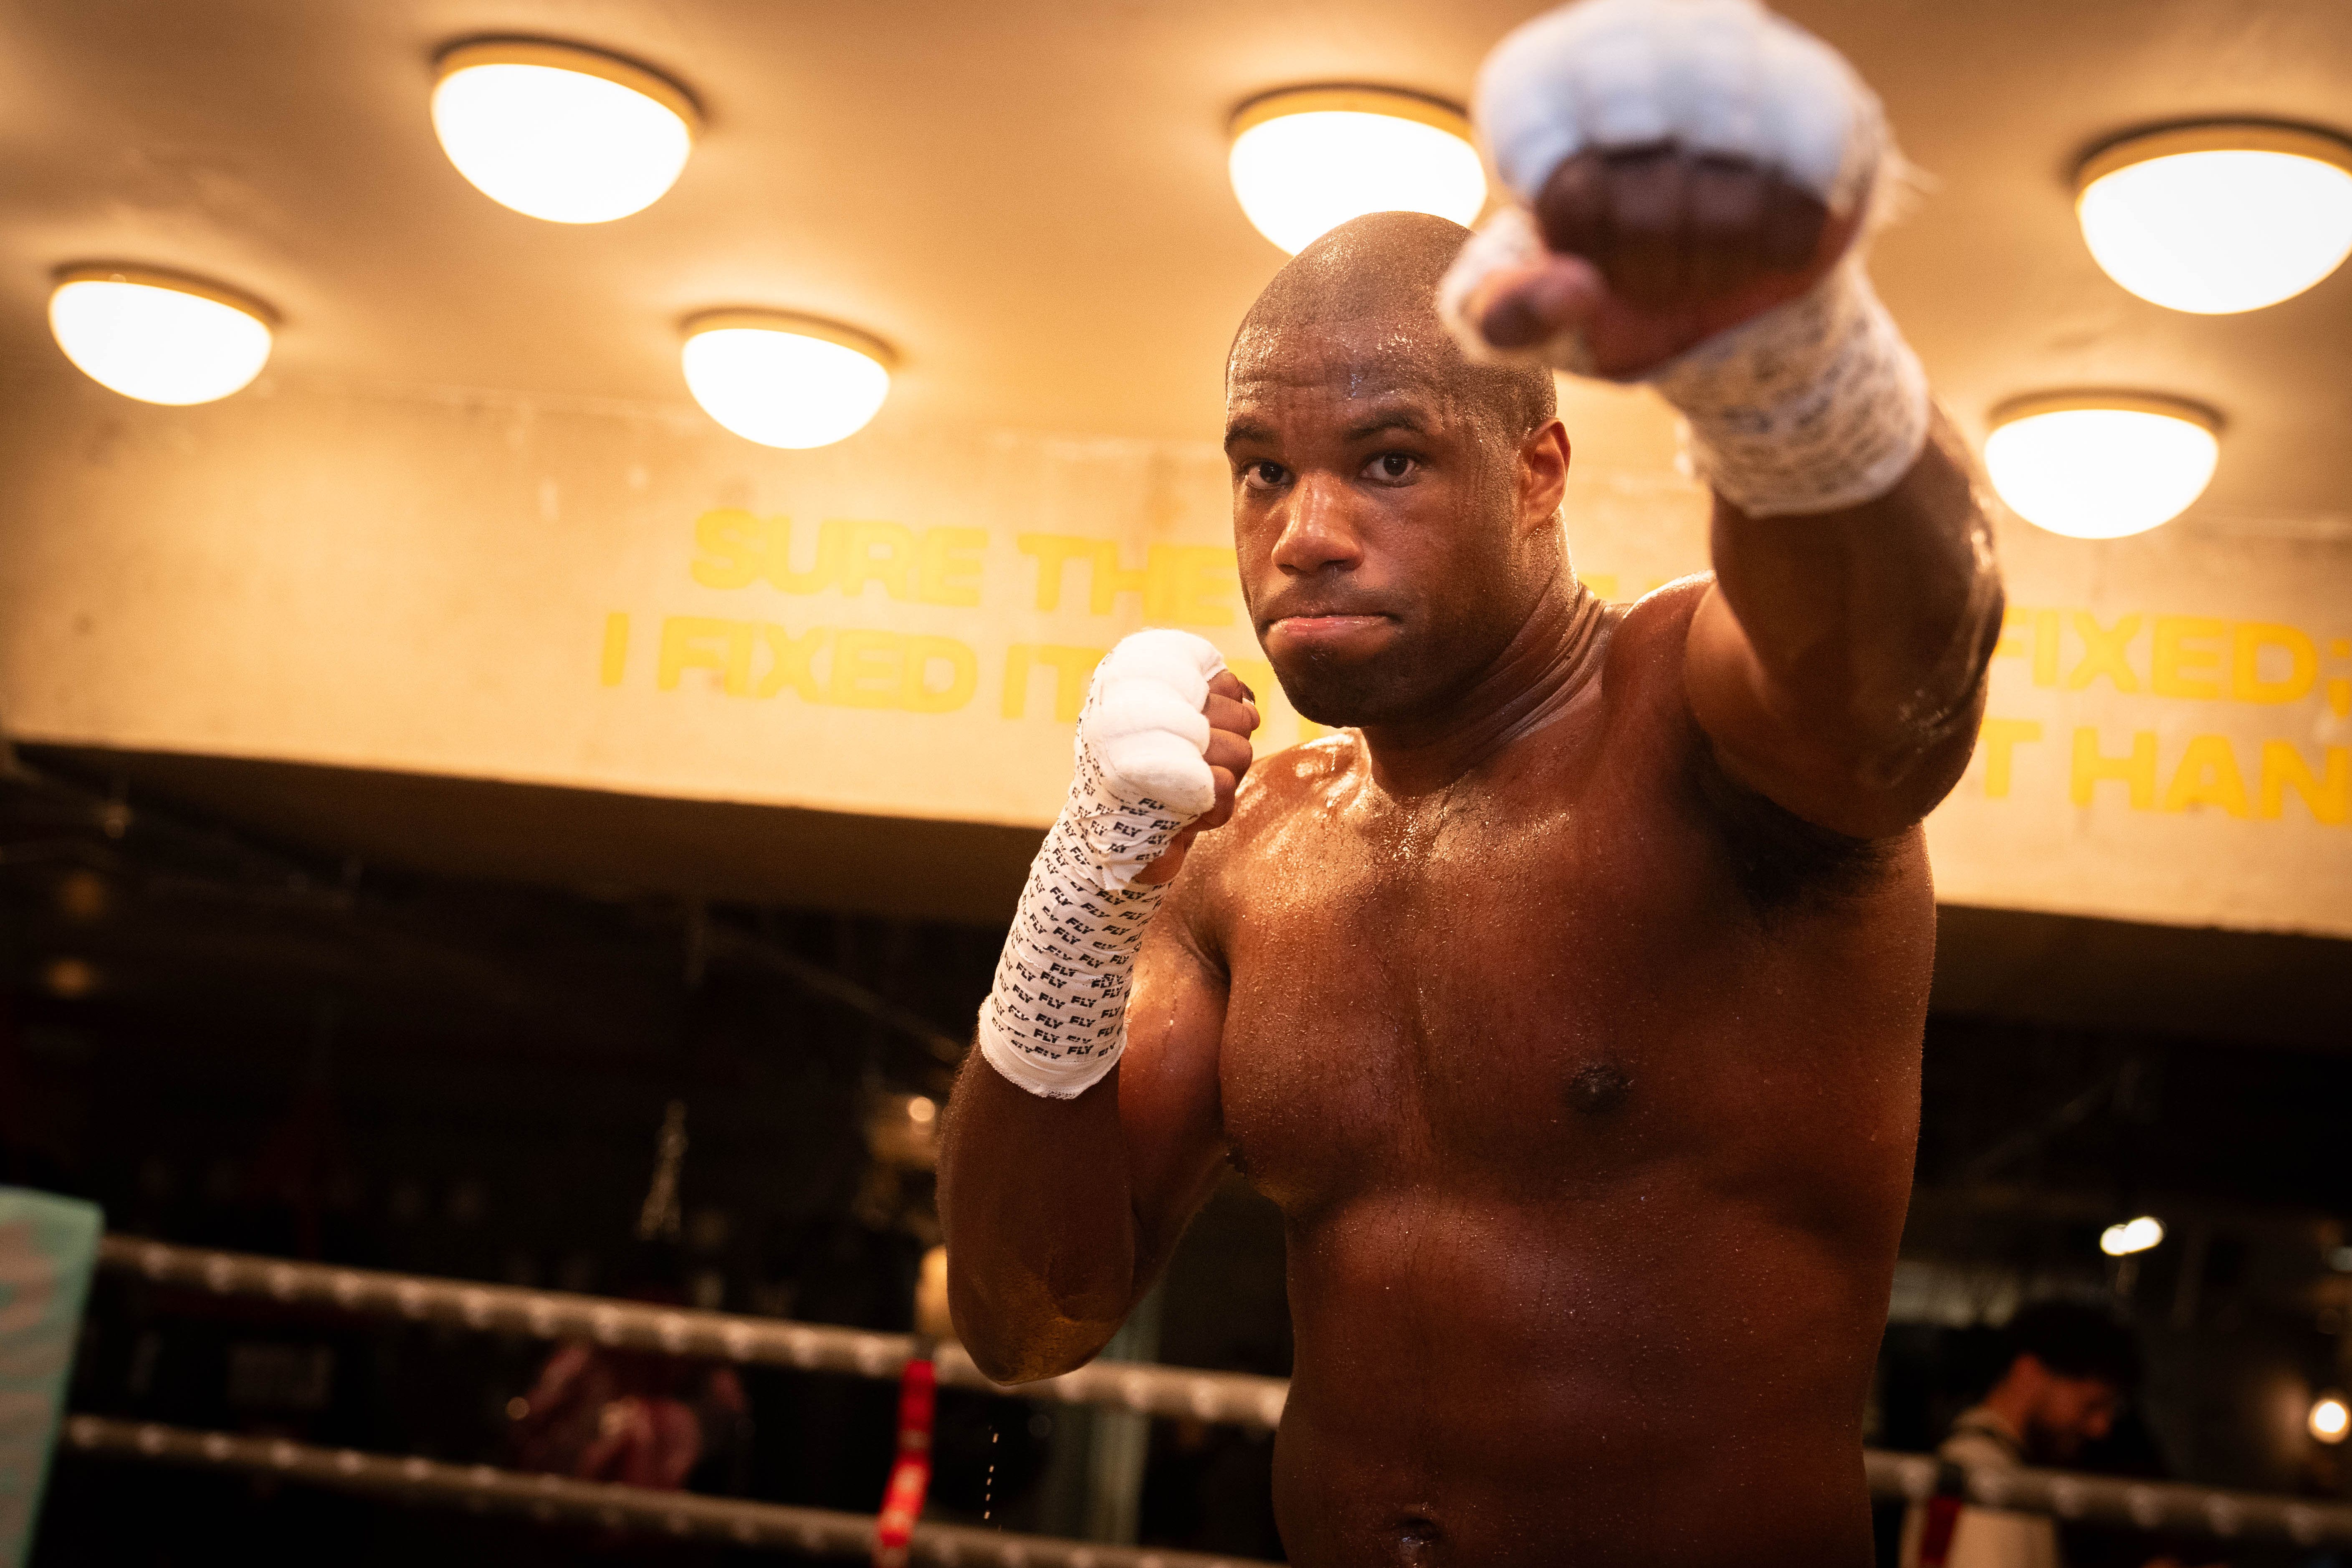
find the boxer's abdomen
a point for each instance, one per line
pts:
(1655, 1375)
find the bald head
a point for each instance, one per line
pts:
(1382, 271)
(1396, 508)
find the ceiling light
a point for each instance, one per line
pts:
(561, 133)
(2215, 218)
(783, 380)
(1306, 160)
(155, 337)
(2101, 465)
(2330, 1419)
(2132, 1235)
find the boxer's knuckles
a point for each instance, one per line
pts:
(1232, 716)
(1669, 229)
(1229, 755)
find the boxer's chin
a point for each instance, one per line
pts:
(1347, 694)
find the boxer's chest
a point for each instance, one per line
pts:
(1479, 983)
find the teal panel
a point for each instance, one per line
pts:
(47, 1247)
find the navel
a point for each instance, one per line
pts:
(1417, 1539)
(1599, 1090)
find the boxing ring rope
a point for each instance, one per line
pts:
(1227, 1398)
(559, 1499)
(2108, 1499)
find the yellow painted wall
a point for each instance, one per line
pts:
(627, 597)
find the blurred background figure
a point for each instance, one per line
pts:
(2070, 1369)
(640, 1418)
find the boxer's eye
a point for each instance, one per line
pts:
(1392, 468)
(1264, 475)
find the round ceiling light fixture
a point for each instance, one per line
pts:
(158, 337)
(561, 132)
(1306, 160)
(2101, 465)
(2220, 218)
(785, 380)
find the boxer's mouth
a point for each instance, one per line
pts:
(1329, 629)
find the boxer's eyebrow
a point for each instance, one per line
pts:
(1395, 419)
(1244, 430)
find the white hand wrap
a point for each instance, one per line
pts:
(1724, 77)
(1815, 405)
(1055, 1022)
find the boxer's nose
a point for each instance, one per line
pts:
(1317, 534)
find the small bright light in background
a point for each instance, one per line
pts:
(155, 337)
(2217, 218)
(2099, 465)
(2132, 1235)
(70, 979)
(82, 896)
(921, 1110)
(783, 380)
(1306, 160)
(2330, 1419)
(559, 133)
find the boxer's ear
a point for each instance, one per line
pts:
(1543, 474)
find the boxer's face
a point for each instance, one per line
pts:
(1377, 516)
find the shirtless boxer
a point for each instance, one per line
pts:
(1570, 1004)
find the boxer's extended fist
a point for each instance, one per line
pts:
(1167, 721)
(1680, 166)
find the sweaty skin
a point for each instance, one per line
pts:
(1569, 1006)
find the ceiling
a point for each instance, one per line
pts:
(1028, 198)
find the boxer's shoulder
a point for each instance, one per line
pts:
(1296, 776)
(1777, 859)
(1278, 792)
(1662, 614)
(1274, 805)
(1642, 672)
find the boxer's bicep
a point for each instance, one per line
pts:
(1837, 665)
(1169, 1104)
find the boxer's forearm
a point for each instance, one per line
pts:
(1040, 1177)
(1839, 665)
(1040, 1224)
(1060, 1212)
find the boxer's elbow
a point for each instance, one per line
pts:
(1911, 730)
(1018, 1332)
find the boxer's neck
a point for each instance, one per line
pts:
(1552, 657)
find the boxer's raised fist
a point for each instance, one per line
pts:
(1230, 709)
(1165, 723)
(1680, 166)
